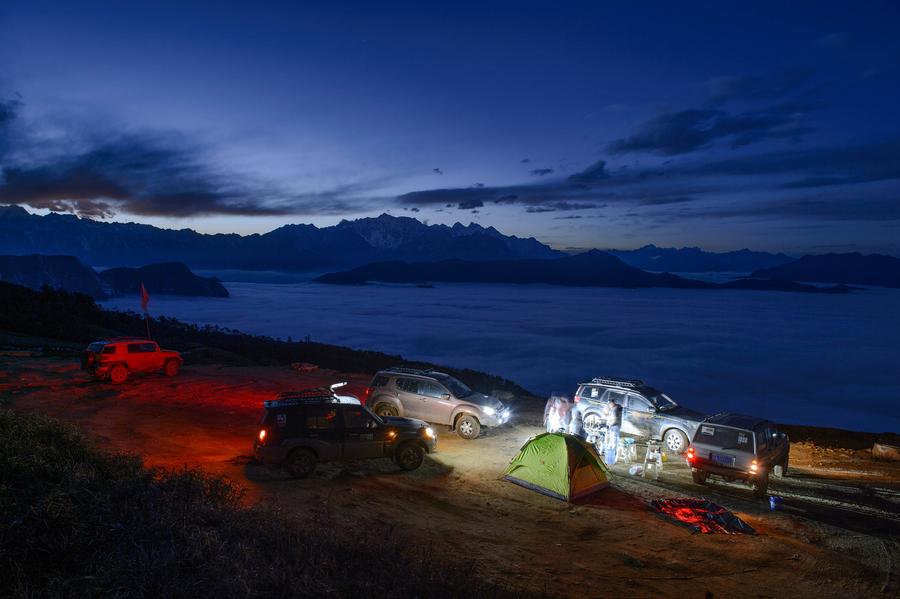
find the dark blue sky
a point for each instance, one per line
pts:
(764, 125)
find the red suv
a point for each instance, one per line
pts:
(117, 358)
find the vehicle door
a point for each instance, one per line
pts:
(323, 430)
(153, 356)
(776, 445)
(408, 395)
(137, 357)
(592, 405)
(363, 435)
(436, 402)
(764, 444)
(640, 416)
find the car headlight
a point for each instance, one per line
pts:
(488, 410)
(429, 432)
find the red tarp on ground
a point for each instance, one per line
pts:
(701, 515)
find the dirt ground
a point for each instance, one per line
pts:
(837, 533)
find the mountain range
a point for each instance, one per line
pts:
(694, 259)
(69, 273)
(589, 269)
(289, 248)
(850, 269)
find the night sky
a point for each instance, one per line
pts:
(765, 125)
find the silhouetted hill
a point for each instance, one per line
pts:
(694, 259)
(590, 269)
(851, 269)
(171, 278)
(69, 273)
(58, 272)
(288, 248)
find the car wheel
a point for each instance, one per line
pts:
(699, 476)
(301, 463)
(386, 409)
(592, 425)
(410, 456)
(675, 441)
(467, 426)
(171, 368)
(761, 485)
(118, 374)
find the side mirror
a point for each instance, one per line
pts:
(445, 396)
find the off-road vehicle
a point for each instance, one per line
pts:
(646, 412)
(117, 358)
(435, 397)
(300, 429)
(737, 447)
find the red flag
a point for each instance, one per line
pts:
(145, 298)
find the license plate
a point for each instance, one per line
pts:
(725, 460)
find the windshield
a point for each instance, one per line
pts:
(373, 415)
(456, 387)
(96, 347)
(662, 402)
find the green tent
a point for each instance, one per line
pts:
(559, 465)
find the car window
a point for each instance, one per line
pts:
(95, 347)
(762, 439)
(723, 437)
(109, 349)
(321, 417)
(357, 418)
(408, 385)
(638, 403)
(379, 381)
(595, 393)
(616, 396)
(135, 348)
(149, 347)
(430, 389)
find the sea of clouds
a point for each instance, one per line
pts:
(828, 360)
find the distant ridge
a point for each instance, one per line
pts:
(694, 259)
(849, 269)
(70, 274)
(590, 269)
(289, 248)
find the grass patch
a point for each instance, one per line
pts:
(76, 521)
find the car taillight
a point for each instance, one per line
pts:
(262, 436)
(577, 399)
(690, 453)
(754, 466)
(366, 394)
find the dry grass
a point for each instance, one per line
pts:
(76, 521)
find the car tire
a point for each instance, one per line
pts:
(301, 463)
(468, 427)
(386, 409)
(700, 477)
(760, 485)
(118, 374)
(410, 456)
(675, 441)
(170, 368)
(592, 424)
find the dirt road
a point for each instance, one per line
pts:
(836, 535)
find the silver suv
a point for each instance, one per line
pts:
(646, 412)
(434, 397)
(739, 447)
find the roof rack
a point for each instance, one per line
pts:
(293, 398)
(618, 381)
(405, 370)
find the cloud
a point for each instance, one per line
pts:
(560, 206)
(542, 172)
(591, 174)
(748, 88)
(805, 208)
(690, 130)
(437, 171)
(470, 204)
(143, 173)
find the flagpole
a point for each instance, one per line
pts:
(147, 320)
(145, 299)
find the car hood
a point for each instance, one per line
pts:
(480, 399)
(401, 422)
(682, 413)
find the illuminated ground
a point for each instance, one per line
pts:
(836, 536)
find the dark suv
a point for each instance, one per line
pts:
(739, 447)
(303, 429)
(646, 412)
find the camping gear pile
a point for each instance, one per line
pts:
(559, 465)
(702, 516)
